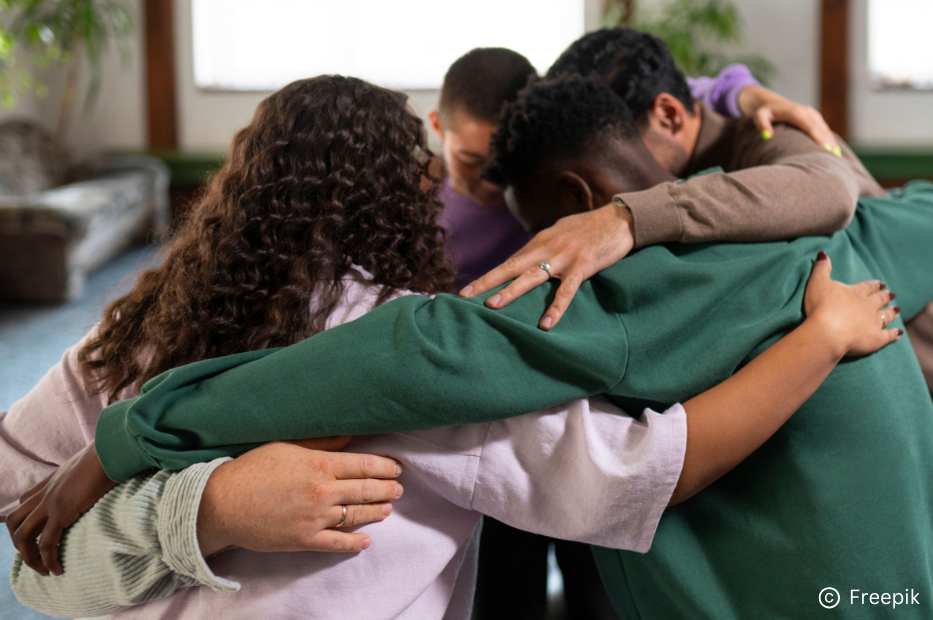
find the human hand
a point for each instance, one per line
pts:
(52, 505)
(300, 490)
(767, 107)
(854, 316)
(577, 247)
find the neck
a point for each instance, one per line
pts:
(634, 169)
(647, 174)
(692, 126)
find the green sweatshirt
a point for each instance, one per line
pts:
(839, 497)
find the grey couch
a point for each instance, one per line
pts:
(50, 238)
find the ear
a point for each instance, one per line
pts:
(435, 120)
(667, 114)
(575, 193)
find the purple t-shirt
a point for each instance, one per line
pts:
(482, 238)
(721, 93)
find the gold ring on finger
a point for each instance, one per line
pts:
(343, 517)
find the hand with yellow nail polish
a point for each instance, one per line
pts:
(768, 107)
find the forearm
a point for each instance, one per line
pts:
(802, 191)
(410, 364)
(730, 421)
(132, 547)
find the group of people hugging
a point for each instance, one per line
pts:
(694, 373)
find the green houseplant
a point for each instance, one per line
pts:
(703, 35)
(59, 32)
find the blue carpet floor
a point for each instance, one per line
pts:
(32, 339)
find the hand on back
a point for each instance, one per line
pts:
(855, 316)
(576, 248)
(285, 496)
(281, 496)
(767, 107)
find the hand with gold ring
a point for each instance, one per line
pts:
(343, 516)
(306, 493)
(849, 313)
(573, 250)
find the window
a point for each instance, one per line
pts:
(408, 44)
(899, 53)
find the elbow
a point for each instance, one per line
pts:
(841, 208)
(687, 486)
(843, 214)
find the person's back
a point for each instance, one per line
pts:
(837, 497)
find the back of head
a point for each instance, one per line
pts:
(332, 171)
(595, 53)
(481, 81)
(636, 65)
(552, 121)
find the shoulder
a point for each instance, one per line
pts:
(360, 295)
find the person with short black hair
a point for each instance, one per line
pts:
(482, 232)
(808, 499)
(636, 65)
(513, 564)
(781, 187)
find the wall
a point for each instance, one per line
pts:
(209, 119)
(882, 118)
(786, 32)
(117, 121)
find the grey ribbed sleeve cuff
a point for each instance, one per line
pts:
(137, 544)
(110, 556)
(178, 532)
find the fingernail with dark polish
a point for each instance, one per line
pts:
(893, 296)
(821, 256)
(881, 285)
(897, 309)
(900, 332)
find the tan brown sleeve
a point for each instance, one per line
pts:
(783, 188)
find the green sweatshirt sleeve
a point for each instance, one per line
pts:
(410, 364)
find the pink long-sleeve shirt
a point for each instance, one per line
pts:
(583, 471)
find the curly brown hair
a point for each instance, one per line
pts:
(332, 171)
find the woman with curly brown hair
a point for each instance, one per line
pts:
(324, 211)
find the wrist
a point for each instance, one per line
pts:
(625, 221)
(753, 97)
(210, 531)
(825, 332)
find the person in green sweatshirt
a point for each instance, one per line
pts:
(835, 499)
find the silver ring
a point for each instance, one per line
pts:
(343, 517)
(545, 267)
(884, 321)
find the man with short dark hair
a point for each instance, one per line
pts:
(482, 231)
(812, 507)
